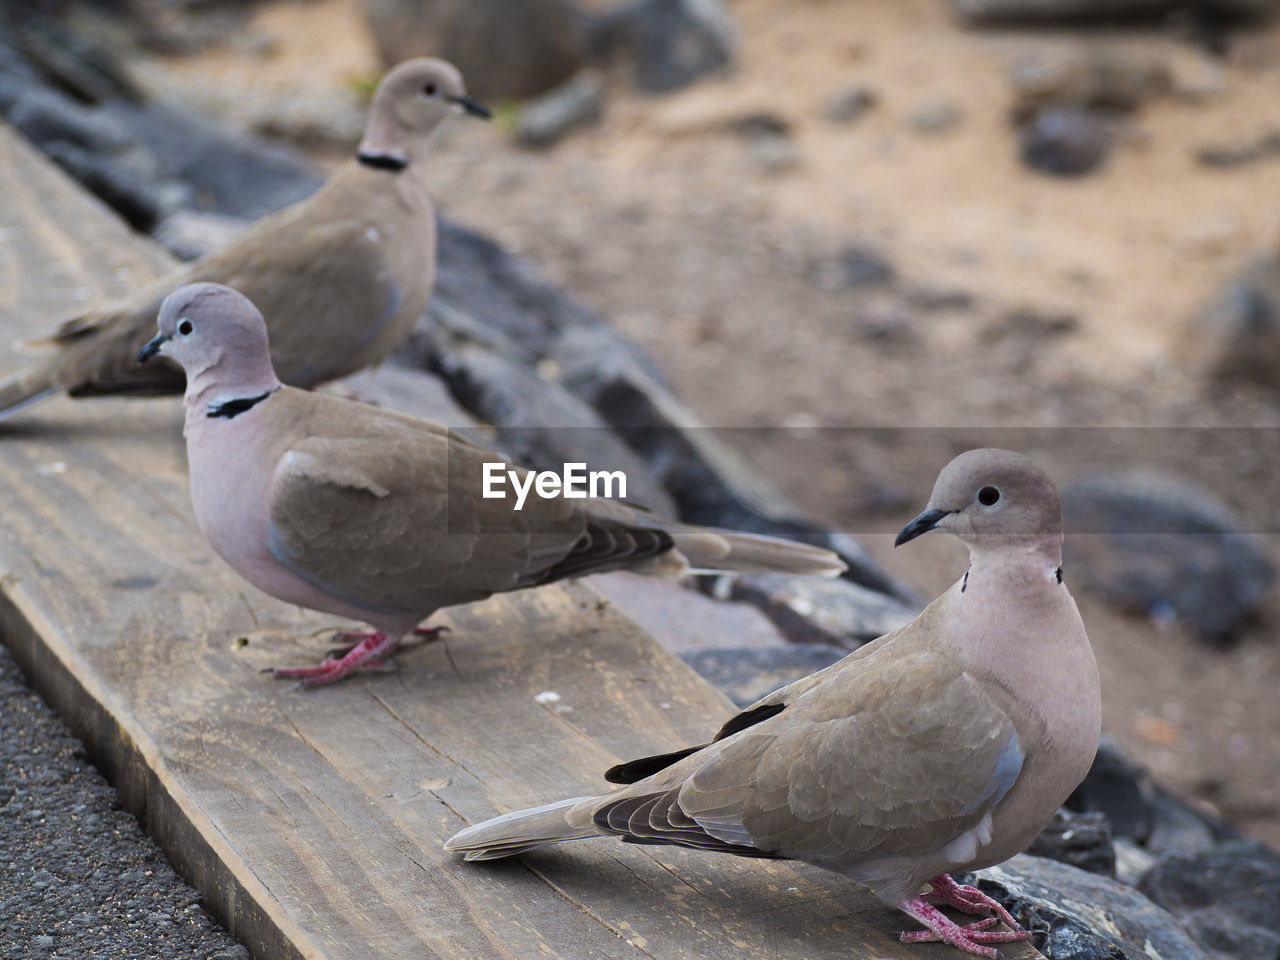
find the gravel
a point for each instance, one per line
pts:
(78, 878)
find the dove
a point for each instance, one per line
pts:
(344, 275)
(380, 517)
(944, 745)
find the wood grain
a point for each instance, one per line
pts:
(312, 822)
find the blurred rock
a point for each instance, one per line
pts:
(935, 116)
(768, 141)
(808, 610)
(862, 266)
(673, 42)
(1238, 331)
(578, 103)
(83, 60)
(849, 104)
(1120, 790)
(1092, 76)
(190, 234)
(316, 116)
(1082, 840)
(1164, 547)
(227, 173)
(1194, 76)
(44, 115)
(1222, 932)
(501, 301)
(397, 387)
(929, 296)
(688, 621)
(1147, 822)
(539, 423)
(1034, 323)
(89, 143)
(504, 48)
(1039, 11)
(1237, 153)
(1075, 915)
(709, 482)
(745, 676)
(1067, 140)
(125, 181)
(1229, 897)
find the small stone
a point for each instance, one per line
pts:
(1239, 152)
(850, 104)
(679, 41)
(1067, 141)
(578, 103)
(42, 942)
(861, 266)
(1082, 840)
(1151, 542)
(1238, 330)
(935, 116)
(1076, 915)
(1084, 76)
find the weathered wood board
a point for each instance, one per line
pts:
(312, 822)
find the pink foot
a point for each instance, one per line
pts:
(944, 889)
(355, 637)
(368, 654)
(971, 938)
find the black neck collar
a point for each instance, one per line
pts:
(238, 405)
(383, 161)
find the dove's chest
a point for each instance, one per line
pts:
(231, 472)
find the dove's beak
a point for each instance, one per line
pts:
(921, 524)
(152, 347)
(473, 107)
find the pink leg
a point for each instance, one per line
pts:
(971, 938)
(369, 654)
(355, 637)
(944, 889)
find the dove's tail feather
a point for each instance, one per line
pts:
(522, 830)
(724, 551)
(27, 386)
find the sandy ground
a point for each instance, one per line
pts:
(661, 220)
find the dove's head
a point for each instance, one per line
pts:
(217, 336)
(987, 497)
(414, 98)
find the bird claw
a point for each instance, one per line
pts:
(972, 938)
(967, 899)
(354, 638)
(365, 655)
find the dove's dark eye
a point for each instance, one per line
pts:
(988, 496)
(430, 91)
(185, 327)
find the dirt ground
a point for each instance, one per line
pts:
(1020, 300)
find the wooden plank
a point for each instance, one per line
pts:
(312, 822)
